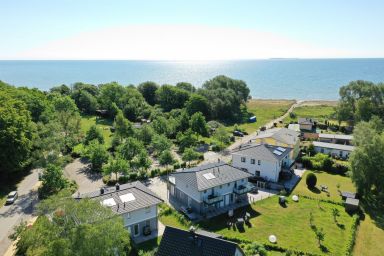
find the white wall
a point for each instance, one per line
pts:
(344, 153)
(268, 170)
(187, 189)
(139, 215)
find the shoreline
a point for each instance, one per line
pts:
(303, 102)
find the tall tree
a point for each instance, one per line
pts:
(116, 166)
(94, 133)
(190, 155)
(97, 154)
(171, 97)
(123, 126)
(52, 181)
(130, 148)
(197, 103)
(166, 158)
(148, 90)
(160, 143)
(186, 86)
(198, 124)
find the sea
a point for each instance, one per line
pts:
(302, 79)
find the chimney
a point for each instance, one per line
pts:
(101, 191)
(117, 186)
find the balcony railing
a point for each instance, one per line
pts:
(243, 189)
(212, 199)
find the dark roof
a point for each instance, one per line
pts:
(305, 120)
(348, 194)
(223, 174)
(262, 151)
(177, 242)
(143, 197)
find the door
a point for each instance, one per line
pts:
(226, 200)
(189, 202)
(136, 230)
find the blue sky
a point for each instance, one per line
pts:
(52, 29)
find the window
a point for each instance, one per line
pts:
(243, 159)
(229, 184)
(205, 191)
(253, 161)
(128, 215)
(221, 186)
(148, 223)
(147, 209)
(258, 162)
(257, 173)
(136, 230)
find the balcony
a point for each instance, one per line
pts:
(212, 199)
(240, 190)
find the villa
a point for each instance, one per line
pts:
(135, 203)
(209, 189)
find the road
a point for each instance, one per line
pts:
(21, 210)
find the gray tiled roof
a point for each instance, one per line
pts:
(177, 242)
(283, 135)
(335, 136)
(333, 146)
(305, 120)
(224, 173)
(261, 151)
(143, 197)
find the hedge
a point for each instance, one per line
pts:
(352, 236)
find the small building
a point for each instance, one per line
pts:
(336, 138)
(335, 150)
(294, 127)
(281, 137)
(346, 194)
(262, 160)
(178, 242)
(351, 204)
(306, 124)
(252, 119)
(210, 189)
(135, 203)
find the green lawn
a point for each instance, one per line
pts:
(102, 123)
(324, 178)
(265, 111)
(290, 225)
(369, 239)
(149, 245)
(319, 112)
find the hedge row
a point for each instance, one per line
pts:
(352, 236)
(322, 200)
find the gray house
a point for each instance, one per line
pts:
(210, 189)
(135, 203)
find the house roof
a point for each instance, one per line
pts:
(333, 146)
(177, 242)
(305, 120)
(335, 136)
(210, 175)
(262, 151)
(294, 127)
(283, 135)
(352, 201)
(135, 195)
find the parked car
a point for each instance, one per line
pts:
(11, 198)
(238, 133)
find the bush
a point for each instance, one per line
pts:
(183, 165)
(133, 176)
(106, 179)
(311, 180)
(176, 166)
(123, 179)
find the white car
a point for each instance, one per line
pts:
(11, 198)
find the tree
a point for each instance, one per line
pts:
(116, 166)
(85, 101)
(94, 133)
(97, 154)
(197, 103)
(222, 136)
(52, 181)
(367, 161)
(171, 97)
(198, 124)
(160, 143)
(130, 148)
(146, 134)
(123, 127)
(335, 214)
(223, 82)
(186, 86)
(182, 121)
(320, 235)
(166, 158)
(190, 155)
(67, 226)
(68, 116)
(186, 139)
(311, 180)
(148, 90)
(141, 161)
(61, 89)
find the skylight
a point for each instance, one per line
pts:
(209, 176)
(281, 149)
(109, 202)
(127, 197)
(277, 152)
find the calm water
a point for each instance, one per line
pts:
(273, 79)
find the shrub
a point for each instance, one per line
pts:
(311, 180)
(123, 179)
(183, 165)
(106, 179)
(133, 176)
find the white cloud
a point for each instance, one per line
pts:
(176, 42)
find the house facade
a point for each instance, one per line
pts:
(262, 160)
(335, 150)
(281, 137)
(134, 202)
(208, 187)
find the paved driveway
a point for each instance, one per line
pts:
(158, 185)
(21, 210)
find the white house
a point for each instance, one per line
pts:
(134, 202)
(208, 188)
(262, 160)
(342, 151)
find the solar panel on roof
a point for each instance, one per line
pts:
(108, 202)
(281, 149)
(209, 176)
(127, 197)
(277, 152)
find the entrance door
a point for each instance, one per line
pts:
(136, 230)
(189, 202)
(226, 200)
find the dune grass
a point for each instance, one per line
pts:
(328, 179)
(319, 112)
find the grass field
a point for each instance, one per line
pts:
(330, 180)
(265, 111)
(290, 225)
(369, 239)
(319, 112)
